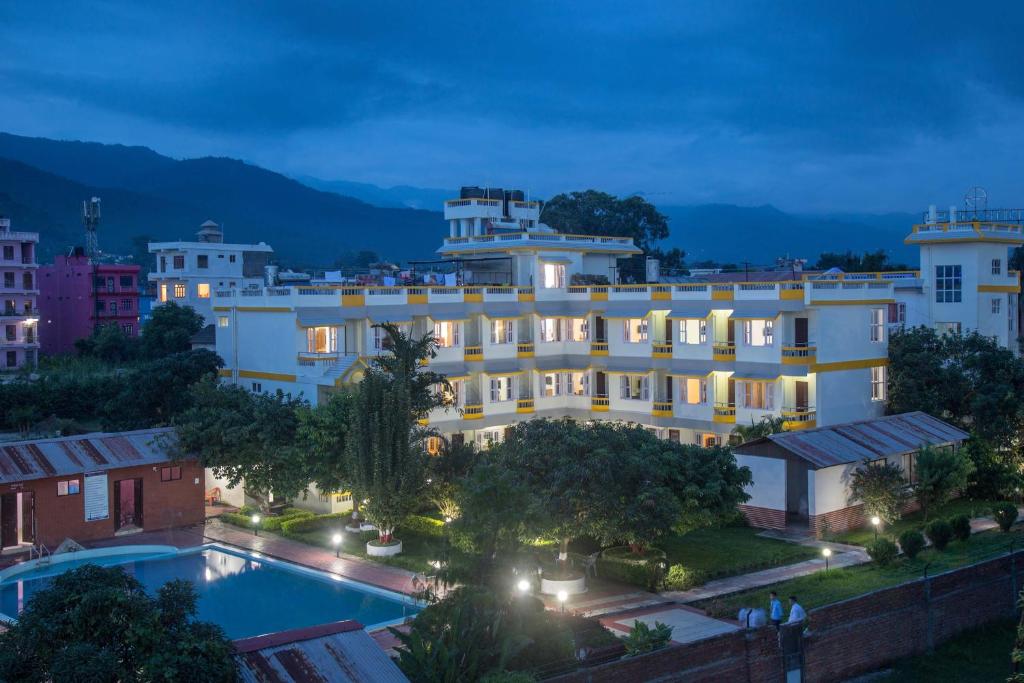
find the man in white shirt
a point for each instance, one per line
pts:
(797, 615)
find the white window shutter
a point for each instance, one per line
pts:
(703, 391)
(625, 330)
(770, 397)
(586, 384)
(624, 386)
(683, 396)
(494, 391)
(703, 331)
(645, 388)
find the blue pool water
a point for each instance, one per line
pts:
(246, 596)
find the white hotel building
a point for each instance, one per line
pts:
(522, 337)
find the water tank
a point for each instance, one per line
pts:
(471, 192)
(270, 275)
(516, 195)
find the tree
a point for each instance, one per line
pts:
(110, 344)
(154, 392)
(941, 472)
(882, 488)
(169, 330)
(447, 469)
(97, 624)
(485, 498)
(322, 437)
(245, 437)
(766, 426)
(598, 213)
(849, 262)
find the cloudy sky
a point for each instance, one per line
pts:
(821, 106)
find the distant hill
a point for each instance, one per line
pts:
(43, 182)
(397, 197)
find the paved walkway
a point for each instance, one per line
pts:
(688, 624)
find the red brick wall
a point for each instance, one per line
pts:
(838, 520)
(164, 504)
(764, 518)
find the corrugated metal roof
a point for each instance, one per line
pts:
(314, 316)
(867, 440)
(341, 651)
(577, 309)
(389, 314)
(66, 455)
(691, 309)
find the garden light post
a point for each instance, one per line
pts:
(256, 525)
(875, 521)
(562, 597)
(523, 586)
(827, 553)
(336, 540)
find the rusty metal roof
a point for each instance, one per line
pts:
(341, 651)
(66, 455)
(867, 440)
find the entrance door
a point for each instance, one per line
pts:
(800, 332)
(600, 334)
(732, 392)
(730, 330)
(668, 388)
(28, 517)
(602, 384)
(8, 520)
(801, 395)
(128, 503)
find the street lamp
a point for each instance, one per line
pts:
(523, 586)
(447, 520)
(256, 525)
(336, 540)
(562, 597)
(827, 553)
(875, 521)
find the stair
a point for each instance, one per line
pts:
(339, 368)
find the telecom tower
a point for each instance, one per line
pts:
(91, 221)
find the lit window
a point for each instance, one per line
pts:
(452, 394)
(997, 266)
(554, 276)
(163, 293)
(948, 284)
(694, 390)
(203, 290)
(635, 331)
(553, 384)
(757, 395)
(693, 331)
(878, 383)
(68, 488)
(758, 332)
(551, 329)
(223, 321)
(485, 438)
(170, 473)
(179, 291)
(877, 325)
(322, 339)
(501, 389)
(708, 440)
(579, 383)
(502, 331)
(635, 387)
(446, 333)
(579, 329)
(997, 306)
(433, 445)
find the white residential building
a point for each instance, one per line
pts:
(188, 272)
(19, 292)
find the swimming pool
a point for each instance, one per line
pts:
(246, 594)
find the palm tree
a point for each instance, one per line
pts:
(768, 424)
(403, 364)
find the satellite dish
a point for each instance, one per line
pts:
(976, 199)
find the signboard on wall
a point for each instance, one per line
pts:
(97, 503)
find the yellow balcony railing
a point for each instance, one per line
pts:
(599, 348)
(524, 405)
(723, 351)
(599, 403)
(662, 409)
(799, 418)
(473, 353)
(473, 412)
(661, 350)
(524, 350)
(724, 413)
(799, 355)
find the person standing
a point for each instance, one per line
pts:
(775, 609)
(797, 615)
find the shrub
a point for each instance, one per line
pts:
(940, 533)
(961, 525)
(305, 524)
(680, 578)
(882, 551)
(619, 564)
(1005, 515)
(643, 638)
(911, 542)
(276, 522)
(423, 526)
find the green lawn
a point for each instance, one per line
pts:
(731, 550)
(822, 588)
(418, 550)
(960, 506)
(980, 655)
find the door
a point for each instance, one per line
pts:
(732, 392)
(28, 517)
(8, 520)
(602, 384)
(800, 332)
(801, 395)
(668, 388)
(730, 330)
(600, 334)
(128, 503)
(668, 330)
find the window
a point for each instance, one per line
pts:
(579, 329)
(877, 325)
(170, 473)
(550, 329)
(324, 339)
(758, 332)
(997, 306)
(997, 266)
(163, 264)
(501, 389)
(579, 384)
(897, 313)
(693, 390)
(231, 258)
(707, 440)
(9, 280)
(128, 328)
(12, 359)
(101, 306)
(948, 284)
(202, 261)
(554, 276)
(179, 290)
(674, 435)
(163, 293)
(501, 331)
(98, 282)
(68, 488)
(693, 331)
(433, 445)
(635, 330)
(947, 328)
(635, 387)
(553, 385)
(126, 281)
(8, 253)
(203, 290)
(878, 383)
(179, 262)
(223, 321)
(126, 304)
(757, 395)
(446, 333)
(452, 394)
(257, 388)
(485, 438)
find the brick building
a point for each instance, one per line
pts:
(95, 486)
(78, 295)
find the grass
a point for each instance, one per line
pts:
(960, 506)
(822, 588)
(980, 655)
(726, 551)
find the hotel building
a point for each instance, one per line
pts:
(19, 341)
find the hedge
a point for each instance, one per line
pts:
(267, 522)
(615, 564)
(302, 525)
(423, 526)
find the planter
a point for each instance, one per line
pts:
(388, 550)
(572, 586)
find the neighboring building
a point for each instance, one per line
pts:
(341, 651)
(802, 479)
(206, 338)
(78, 295)
(19, 341)
(188, 273)
(95, 486)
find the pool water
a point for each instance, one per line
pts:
(245, 595)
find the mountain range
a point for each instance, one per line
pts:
(314, 222)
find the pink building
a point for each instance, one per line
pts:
(19, 341)
(77, 296)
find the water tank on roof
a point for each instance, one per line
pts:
(494, 193)
(471, 192)
(516, 195)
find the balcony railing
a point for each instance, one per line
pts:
(799, 355)
(599, 348)
(524, 405)
(662, 409)
(524, 349)
(661, 350)
(475, 352)
(799, 418)
(723, 351)
(725, 413)
(473, 412)
(599, 403)
(312, 359)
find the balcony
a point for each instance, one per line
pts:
(662, 409)
(474, 353)
(725, 413)
(313, 359)
(473, 412)
(661, 350)
(524, 350)
(799, 418)
(599, 348)
(723, 351)
(799, 355)
(524, 405)
(599, 404)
